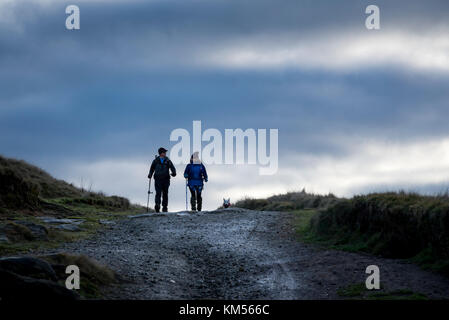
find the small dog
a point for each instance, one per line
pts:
(226, 203)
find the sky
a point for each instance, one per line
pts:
(357, 110)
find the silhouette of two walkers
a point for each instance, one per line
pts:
(162, 168)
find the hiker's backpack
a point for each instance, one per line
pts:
(162, 169)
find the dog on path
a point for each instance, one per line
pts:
(226, 203)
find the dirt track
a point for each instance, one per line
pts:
(235, 254)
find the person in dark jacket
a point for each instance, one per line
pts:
(160, 168)
(195, 173)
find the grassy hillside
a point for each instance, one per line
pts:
(29, 177)
(28, 189)
(289, 202)
(395, 225)
(28, 194)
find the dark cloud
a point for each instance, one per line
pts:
(136, 70)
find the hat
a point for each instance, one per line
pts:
(161, 150)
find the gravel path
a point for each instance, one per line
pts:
(235, 254)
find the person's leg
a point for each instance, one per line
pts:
(199, 199)
(165, 186)
(157, 197)
(192, 198)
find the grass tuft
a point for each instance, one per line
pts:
(291, 201)
(394, 225)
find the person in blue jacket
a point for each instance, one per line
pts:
(195, 173)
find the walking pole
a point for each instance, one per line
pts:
(186, 194)
(149, 192)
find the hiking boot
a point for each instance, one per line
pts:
(157, 208)
(164, 209)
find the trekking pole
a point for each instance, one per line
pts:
(186, 194)
(149, 192)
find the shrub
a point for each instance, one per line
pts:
(16, 192)
(24, 186)
(396, 225)
(93, 199)
(289, 202)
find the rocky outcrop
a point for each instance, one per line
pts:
(63, 224)
(15, 287)
(31, 278)
(18, 231)
(29, 266)
(39, 232)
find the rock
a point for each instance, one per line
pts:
(38, 231)
(64, 224)
(17, 287)
(4, 238)
(106, 222)
(68, 227)
(89, 268)
(16, 232)
(52, 220)
(29, 266)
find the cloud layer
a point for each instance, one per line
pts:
(370, 166)
(356, 110)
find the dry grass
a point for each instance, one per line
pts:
(290, 201)
(26, 188)
(96, 272)
(93, 275)
(396, 225)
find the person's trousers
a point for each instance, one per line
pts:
(161, 186)
(195, 197)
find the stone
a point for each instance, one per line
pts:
(52, 220)
(17, 287)
(68, 227)
(106, 222)
(29, 266)
(16, 232)
(38, 231)
(4, 239)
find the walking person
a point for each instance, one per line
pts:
(195, 173)
(160, 168)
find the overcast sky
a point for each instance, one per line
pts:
(357, 110)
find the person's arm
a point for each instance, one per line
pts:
(187, 171)
(173, 169)
(152, 167)
(204, 173)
